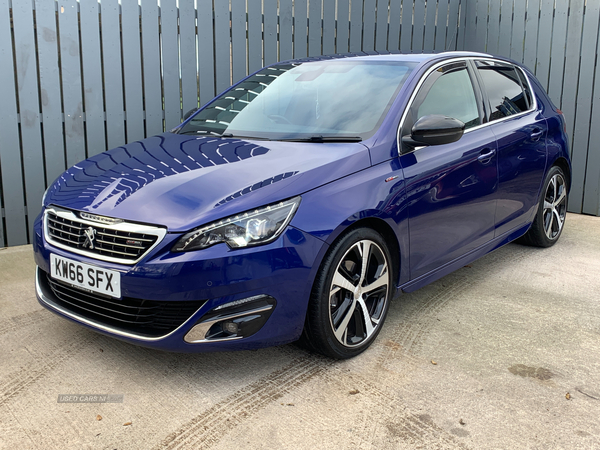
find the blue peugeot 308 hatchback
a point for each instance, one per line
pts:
(300, 201)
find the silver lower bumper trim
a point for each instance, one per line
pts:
(53, 306)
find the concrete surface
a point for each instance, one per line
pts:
(511, 336)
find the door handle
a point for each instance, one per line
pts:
(537, 134)
(486, 155)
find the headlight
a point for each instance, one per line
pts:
(256, 227)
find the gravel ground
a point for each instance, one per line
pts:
(504, 353)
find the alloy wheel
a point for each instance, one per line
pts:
(358, 293)
(555, 206)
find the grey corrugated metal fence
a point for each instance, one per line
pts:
(80, 77)
(558, 40)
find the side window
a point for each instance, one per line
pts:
(449, 93)
(504, 89)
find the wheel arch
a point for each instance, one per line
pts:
(381, 227)
(562, 162)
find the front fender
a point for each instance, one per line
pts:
(328, 211)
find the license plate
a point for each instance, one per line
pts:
(85, 276)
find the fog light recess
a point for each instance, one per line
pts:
(233, 320)
(231, 327)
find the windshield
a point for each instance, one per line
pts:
(324, 100)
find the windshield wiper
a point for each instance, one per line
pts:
(320, 138)
(207, 133)
(223, 135)
(238, 136)
(316, 138)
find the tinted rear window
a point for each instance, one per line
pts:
(504, 90)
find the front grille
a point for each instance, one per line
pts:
(143, 317)
(123, 242)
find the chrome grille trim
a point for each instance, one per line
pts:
(65, 229)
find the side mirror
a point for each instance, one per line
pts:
(434, 130)
(189, 113)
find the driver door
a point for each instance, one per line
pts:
(450, 187)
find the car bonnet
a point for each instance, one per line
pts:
(185, 181)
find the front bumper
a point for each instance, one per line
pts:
(282, 270)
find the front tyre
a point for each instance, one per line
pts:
(549, 220)
(351, 294)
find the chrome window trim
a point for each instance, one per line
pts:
(124, 226)
(92, 323)
(463, 58)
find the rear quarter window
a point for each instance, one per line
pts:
(526, 87)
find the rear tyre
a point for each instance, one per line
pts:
(350, 297)
(549, 220)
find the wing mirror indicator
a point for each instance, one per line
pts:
(434, 130)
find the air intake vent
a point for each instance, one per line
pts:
(143, 317)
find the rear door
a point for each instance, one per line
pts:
(520, 130)
(450, 188)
